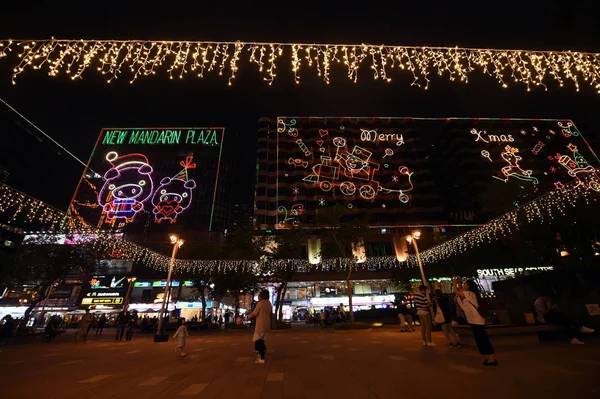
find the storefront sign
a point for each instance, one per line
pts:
(195, 305)
(163, 283)
(510, 272)
(356, 301)
(108, 282)
(103, 301)
(142, 284)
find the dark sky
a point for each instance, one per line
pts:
(73, 112)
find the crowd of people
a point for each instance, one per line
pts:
(429, 308)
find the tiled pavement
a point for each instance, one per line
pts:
(302, 363)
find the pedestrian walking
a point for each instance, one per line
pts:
(262, 314)
(181, 335)
(84, 325)
(92, 325)
(123, 319)
(101, 324)
(443, 317)
(468, 300)
(424, 309)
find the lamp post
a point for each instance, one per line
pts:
(177, 243)
(130, 280)
(412, 238)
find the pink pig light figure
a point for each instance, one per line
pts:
(174, 195)
(128, 184)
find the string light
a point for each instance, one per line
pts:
(113, 58)
(540, 210)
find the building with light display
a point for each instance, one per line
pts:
(443, 176)
(154, 180)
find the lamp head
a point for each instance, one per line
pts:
(173, 238)
(409, 239)
(417, 234)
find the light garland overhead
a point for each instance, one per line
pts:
(24, 210)
(138, 58)
(538, 210)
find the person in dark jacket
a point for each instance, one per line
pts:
(446, 307)
(406, 317)
(123, 319)
(100, 325)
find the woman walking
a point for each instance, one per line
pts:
(262, 313)
(468, 301)
(444, 306)
(181, 334)
(423, 305)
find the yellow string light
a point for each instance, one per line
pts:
(34, 210)
(142, 58)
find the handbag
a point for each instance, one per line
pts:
(439, 315)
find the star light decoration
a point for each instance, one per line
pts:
(139, 58)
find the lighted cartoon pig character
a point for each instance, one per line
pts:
(128, 184)
(174, 195)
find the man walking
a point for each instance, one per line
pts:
(123, 320)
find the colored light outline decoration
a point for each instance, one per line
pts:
(112, 58)
(510, 156)
(486, 154)
(538, 147)
(291, 216)
(579, 168)
(169, 209)
(125, 208)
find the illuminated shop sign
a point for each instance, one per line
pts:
(194, 305)
(102, 301)
(142, 284)
(163, 283)
(108, 282)
(510, 272)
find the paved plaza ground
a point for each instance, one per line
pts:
(303, 362)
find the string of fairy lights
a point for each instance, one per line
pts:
(542, 209)
(140, 58)
(32, 211)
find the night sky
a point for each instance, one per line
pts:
(74, 112)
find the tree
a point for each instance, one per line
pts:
(241, 245)
(282, 272)
(234, 284)
(203, 280)
(48, 263)
(347, 232)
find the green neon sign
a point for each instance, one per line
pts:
(189, 136)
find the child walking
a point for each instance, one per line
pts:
(181, 335)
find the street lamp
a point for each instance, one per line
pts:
(412, 238)
(130, 280)
(177, 243)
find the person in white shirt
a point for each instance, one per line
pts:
(546, 312)
(262, 312)
(467, 300)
